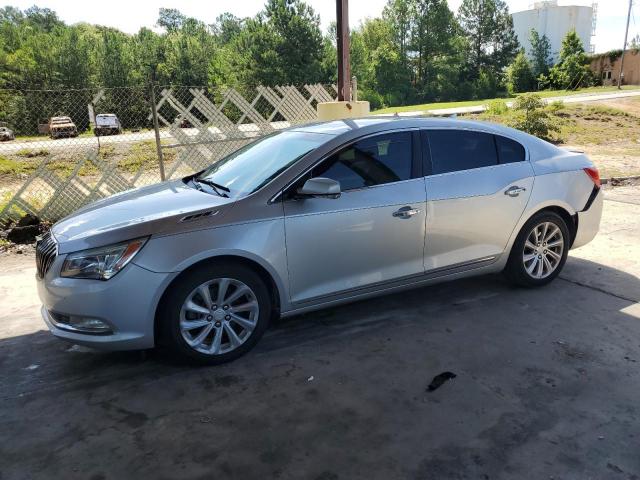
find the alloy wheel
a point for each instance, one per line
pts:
(543, 250)
(218, 316)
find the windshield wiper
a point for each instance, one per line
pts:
(220, 189)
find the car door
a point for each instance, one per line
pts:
(478, 185)
(372, 233)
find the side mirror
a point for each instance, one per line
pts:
(320, 187)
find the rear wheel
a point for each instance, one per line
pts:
(539, 251)
(216, 313)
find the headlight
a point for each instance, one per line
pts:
(101, 263)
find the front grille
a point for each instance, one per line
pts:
(46, 251)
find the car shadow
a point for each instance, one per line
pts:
(38, 362)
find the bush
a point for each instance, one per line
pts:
(556, 106)
(497, 107)
(519, 75)
(530, 116)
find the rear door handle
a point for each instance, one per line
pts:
(405, 212)
(514, 191)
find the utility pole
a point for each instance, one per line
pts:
(626, 33)
(344, 64)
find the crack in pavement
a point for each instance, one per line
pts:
(598, 289)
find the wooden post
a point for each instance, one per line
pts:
(344, 66)
(156, 129)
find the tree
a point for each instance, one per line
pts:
(519, 75)
(489, 29)
(635, 43)
(227, 27)
(282, 44)
(572, 71)
(171, 19)
(540, 53)
(383, 76)
(431, 36)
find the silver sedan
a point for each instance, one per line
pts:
(311, 217)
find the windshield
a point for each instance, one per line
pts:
(254, 165)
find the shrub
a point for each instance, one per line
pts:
(530, 116)
(556, 106)
(497, 107)
(519, 75)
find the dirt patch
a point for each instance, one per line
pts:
(628, 104)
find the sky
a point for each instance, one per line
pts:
(130, 15)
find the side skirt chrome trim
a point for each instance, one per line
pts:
(388, 287)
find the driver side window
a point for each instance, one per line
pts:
(372, 161)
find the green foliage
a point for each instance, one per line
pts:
(572, 71)
(519, 75)
(488, 27)
(10, 166)
(417, 51)
(497, 107)
(529, 115)
(540, 53)
(556, 106)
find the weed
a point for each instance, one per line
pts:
(25, 152)
(9, 166)
(497, 107)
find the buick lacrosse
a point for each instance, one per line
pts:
(311, 217)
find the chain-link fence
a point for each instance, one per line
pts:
(64, 149)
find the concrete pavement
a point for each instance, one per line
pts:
(547, 385)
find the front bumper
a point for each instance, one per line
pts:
(126, 303)
(589, 222)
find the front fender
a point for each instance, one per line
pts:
(261, 242)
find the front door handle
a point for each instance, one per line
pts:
(514, 191)
(405, 212)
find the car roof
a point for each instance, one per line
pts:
(368, 125)
(336, 127)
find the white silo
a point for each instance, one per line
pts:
(554, 21)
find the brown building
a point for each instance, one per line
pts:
(607, 67)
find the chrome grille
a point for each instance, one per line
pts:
(46, 251)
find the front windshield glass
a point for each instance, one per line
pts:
(251, 167)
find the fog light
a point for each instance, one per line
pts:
(80, 324)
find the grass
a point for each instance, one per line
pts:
(144, 155)
(8, 166)
(609, 136)
(584, 124)
(471, 103)
(27, 153)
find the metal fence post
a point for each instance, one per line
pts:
(156, 129)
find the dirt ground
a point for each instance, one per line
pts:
(616, 157)
(546, 385)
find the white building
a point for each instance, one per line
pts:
(554, 21)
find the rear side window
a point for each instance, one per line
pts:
(455, 150)
(509, 151)
(385, 158)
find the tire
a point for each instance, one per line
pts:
(185, 317)
(538, 266)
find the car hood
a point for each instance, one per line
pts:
(155, 209)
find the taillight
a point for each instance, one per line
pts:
(594, 175)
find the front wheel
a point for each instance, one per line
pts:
(539, 251)
(216, 313)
